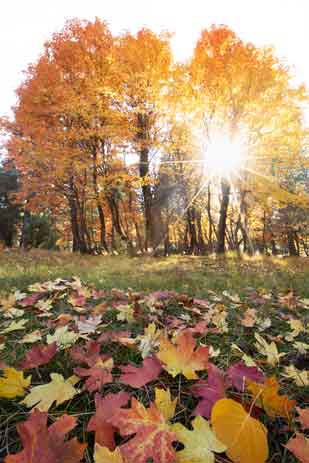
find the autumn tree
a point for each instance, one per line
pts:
(234, 81)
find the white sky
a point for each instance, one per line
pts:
(26, 24)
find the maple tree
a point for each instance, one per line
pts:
(108, 138)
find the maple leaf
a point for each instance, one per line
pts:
(139, 376)
(31, 337)
(89, 325)
(149, 340)
(104, 455)
(153, 437)
(99, 374)
(211, 390)
(299, 446)
(244, 436)
(301, 378)
(101, 421)
(58, 390)
(266, 395)
(269, 350)
(88, 354)
(303, 417)
(13, 383)
(183, 356)
(46, 445)
(38, 355)
(239, 372)
(199, 443)
(113, 336)
(164, 403)
(15, 326)
(63, 337)
(249, 319)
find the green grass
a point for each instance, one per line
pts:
(192, 275)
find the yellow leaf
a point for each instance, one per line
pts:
(104, 455)
(199, 443)
(63, 337)
(13, 383)
(244, 436)
(165, 403)
(15, 326)
(269, 350)
(301, 378)
(58, 390)
(31, 337)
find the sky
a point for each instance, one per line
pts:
(26, 24)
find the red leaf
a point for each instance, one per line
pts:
(303, 417)
(100, 422)
(38, 355)
(211, 390)
(30, 300)
(88, 354)
(139, 376)
(99, 375)
(239, 372)
(46, 445)
(113, 336)
(299, 446)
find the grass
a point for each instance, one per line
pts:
(192, 275)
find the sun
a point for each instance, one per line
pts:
(224, 157)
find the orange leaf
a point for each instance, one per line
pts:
(43, 444)
(153, 437)
(266, 396)
(183, 356)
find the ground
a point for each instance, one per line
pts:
(250, 316)
(192, 275)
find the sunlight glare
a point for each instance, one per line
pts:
(224, 157)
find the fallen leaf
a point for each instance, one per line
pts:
(199, 444)
(63, 337)
(303, 417)
(267, 396)
(139, 376)
(46, 445)
(300, 378)
(100, 422)
(239, 372)
(31, 337)
(210, 391)
(164, 403)
(38, 355)
(153, 437)
(98, 375)
(88, 354)
(183, 356)
(58, 390)
(104, 455)
(13, 383)
(299, 446)
(244, 436)
(15, 326)
(268, 350)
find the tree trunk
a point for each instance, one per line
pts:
(225, 188)
(291, 243)
(143, 136)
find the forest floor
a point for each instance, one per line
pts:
(242, 323)
(192, 275)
